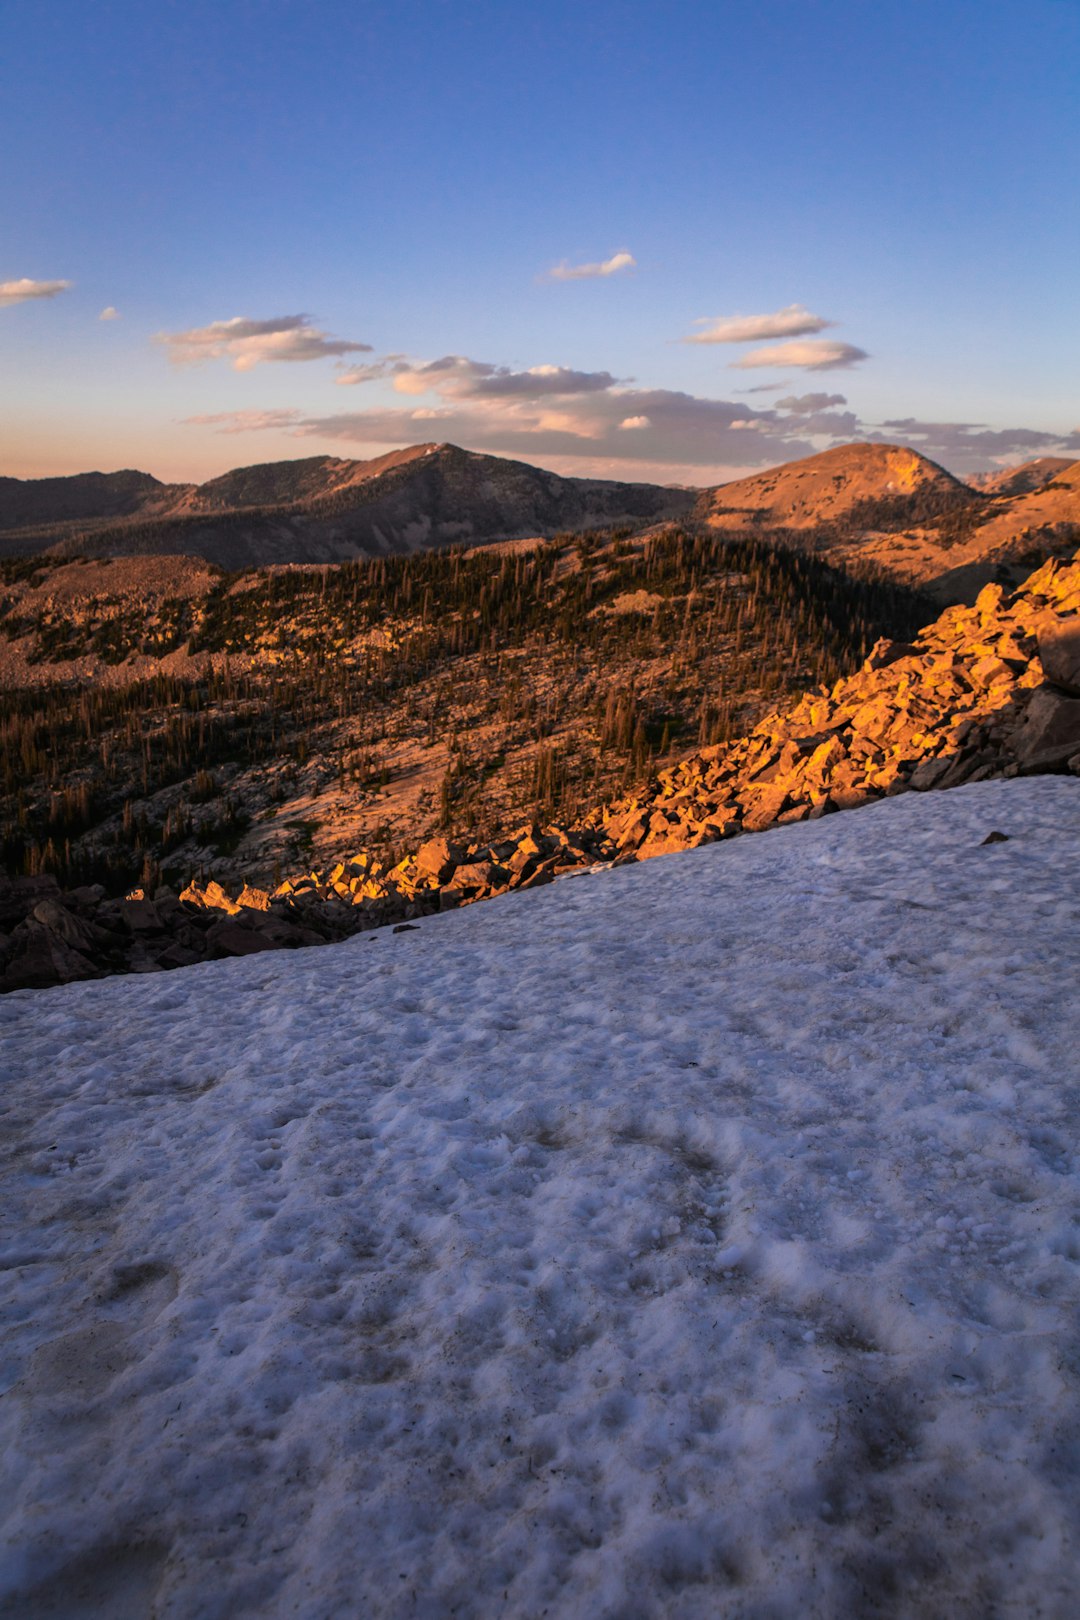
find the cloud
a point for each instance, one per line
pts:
(373, 371)
(806, 404)
(17, 292)
(820, 354)
(793, 321)
(249, 343)
(455, 376)
(109, 314)
(246, 421)
(594, 424)
(966, 447)
(623, 260)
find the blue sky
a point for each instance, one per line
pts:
(890, 190)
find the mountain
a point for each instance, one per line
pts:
(1000, 537)
(891, 509)
(84, 498)
(844, 485)
(690, 1240)
(326, 510)
(1022, 480)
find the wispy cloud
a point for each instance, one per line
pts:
(623, 260)
(806, 404)
(972, 446)
(815, 354)
(793, 321)
(249, 343)
(245, 421)
(17, 292)
(455, 376)
(109, 314)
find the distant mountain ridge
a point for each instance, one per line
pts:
(322, 509)
(880, 505)
(832, 487)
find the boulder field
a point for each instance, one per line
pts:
(985, 691)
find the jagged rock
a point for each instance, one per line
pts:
(253, 899)
(1059, 655)
(1050, 734)
(884, 652)
(437, 859)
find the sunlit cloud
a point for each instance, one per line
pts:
(247, 343)
(635, 424)
(623, 260)
(816, 354)
(793, 321)
(109, 314)
(18, 292)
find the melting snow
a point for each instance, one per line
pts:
(693, 1239)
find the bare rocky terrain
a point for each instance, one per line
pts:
(990, 690)
(165, 719)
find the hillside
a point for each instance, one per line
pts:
(888, 509)
(325, 510)
(1022, 480)
(160, 711)
(989, 691)
(837, 486)
(31, 503)
(688, 1240)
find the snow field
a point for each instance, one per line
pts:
(691, 1239)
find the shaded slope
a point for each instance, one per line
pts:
(325, 510)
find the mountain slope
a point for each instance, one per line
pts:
(325, 510)
(1022, 480)
(86, 497)
(687, 1240)
(835, 486)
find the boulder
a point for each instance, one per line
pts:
(1050, 733)
(1059, 655)
(41, 958)
(61, 922)
(437, 859)
(18, 896)
(229, 938)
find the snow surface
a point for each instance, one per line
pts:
(692, 1239)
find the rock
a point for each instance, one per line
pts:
(1059, 655)
(72, 930)
(253, 899)
(18, 896)
(229, 938)
(883, 653)
(41, 958)
(437, 859)
(1050, 734)
(141, 916)
(996, 838)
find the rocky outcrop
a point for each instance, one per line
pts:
(969, 699)
(991, 690)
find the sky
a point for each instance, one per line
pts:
(676, 243)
